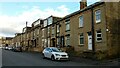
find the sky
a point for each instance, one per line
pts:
(14, 14)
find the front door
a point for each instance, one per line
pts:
(89, 42)
(62, 40)
(53, 42)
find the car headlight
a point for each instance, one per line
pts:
(57, 54)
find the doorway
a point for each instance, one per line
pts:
(89, 41)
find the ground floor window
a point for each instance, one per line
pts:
(98, 36)
(67, 40)
(58, 41)
(42, 42)
(48, 42)
(81, 39)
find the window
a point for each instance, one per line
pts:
(81, 21)
(98, 36)
(58, 41)
(48, 31)
(37, 31)
(43, 42)
(67, 40)
(42, 32)
(81, 39)
(49, 20)
(98, 16)
(37, 23)
(34, 33)
(58, 29)
(48, 42)
(45, 23)
(53, 30)
(67, 22)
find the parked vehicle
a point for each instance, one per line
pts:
(55, 54)
(17, 49)
(6, 48)
(10, 48)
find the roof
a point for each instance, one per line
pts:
(82, 10)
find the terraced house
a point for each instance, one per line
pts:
(26, 37)
(5, 41)
(35, 34)
(17, 39)
(93, 31)
(49, 31)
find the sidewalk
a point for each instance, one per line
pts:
(112, 62)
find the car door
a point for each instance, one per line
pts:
(50, 53)
(46, 52)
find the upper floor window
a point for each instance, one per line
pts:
(98, 36)
(45, 23)
(42, 32)
(48, 29)
(36, 23)
(98, 16)
(81, 21)
(37, 31)
(81, 39)
(24, 30)
(67, 38)
(58, 29)
(67, 23)
(50, 20)
(34, 32)
(53, 30)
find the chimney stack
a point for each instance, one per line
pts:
(83, 4)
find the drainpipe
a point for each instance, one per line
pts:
(92, 30)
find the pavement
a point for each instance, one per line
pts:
(110, 62)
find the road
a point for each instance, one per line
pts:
(10, 58)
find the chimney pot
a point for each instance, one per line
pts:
(83, 4)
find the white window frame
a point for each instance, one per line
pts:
(58, 29)
(48, 42)
(67, 40)
(81, 36)
(67, 23)
(81, 21)
(48, 31)
(42, 32)
(98, 37)
(50, 20)
(98, 14)
(38, 31)
(53, 30)
(45, 23)
(37, 23)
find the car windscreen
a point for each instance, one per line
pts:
(55, 50)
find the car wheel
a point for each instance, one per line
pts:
(52, 58)
(43, 56)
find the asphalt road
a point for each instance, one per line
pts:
(10, 58)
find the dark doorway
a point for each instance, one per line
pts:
(53, 42)
(35, 42)
(62, 41)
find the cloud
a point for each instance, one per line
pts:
(13, 24)
(7, 31)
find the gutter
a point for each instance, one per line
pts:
(92, 30)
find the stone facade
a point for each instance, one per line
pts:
(91, 30)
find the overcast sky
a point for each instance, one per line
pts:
(13, 14)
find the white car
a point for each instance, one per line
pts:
(55, 54)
